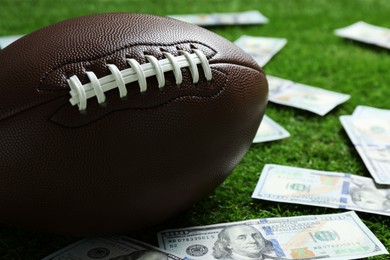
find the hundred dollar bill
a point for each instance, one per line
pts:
(333, 236)
(262, 49)
(313, 99)
(269, 130)
(367, 33)
(214, 19)
(321, 188)
(111, 248)
(7, 40)
(377, 161)
(369, 130)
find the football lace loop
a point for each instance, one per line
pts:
(137, 72)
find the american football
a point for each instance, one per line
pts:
(114, 122)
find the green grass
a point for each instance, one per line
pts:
(313, 56)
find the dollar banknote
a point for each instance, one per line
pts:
(367, 33)
(261, 49)
(368, 125)
(322, 188)
(111, 248)
(332, 236)
(313, 99)
(216, 19)
(369, 130)
(269, 130)
(7, 40)
(377, 161)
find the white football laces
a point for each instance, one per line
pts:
(137, 72)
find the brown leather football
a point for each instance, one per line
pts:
(113, 122)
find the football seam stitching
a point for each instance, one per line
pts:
(43, 78)
(80, 93)
(147, 108)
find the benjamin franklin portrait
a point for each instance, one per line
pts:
(241, 242)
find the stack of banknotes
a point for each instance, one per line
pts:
(331, 236)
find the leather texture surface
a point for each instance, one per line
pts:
(133, 162)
